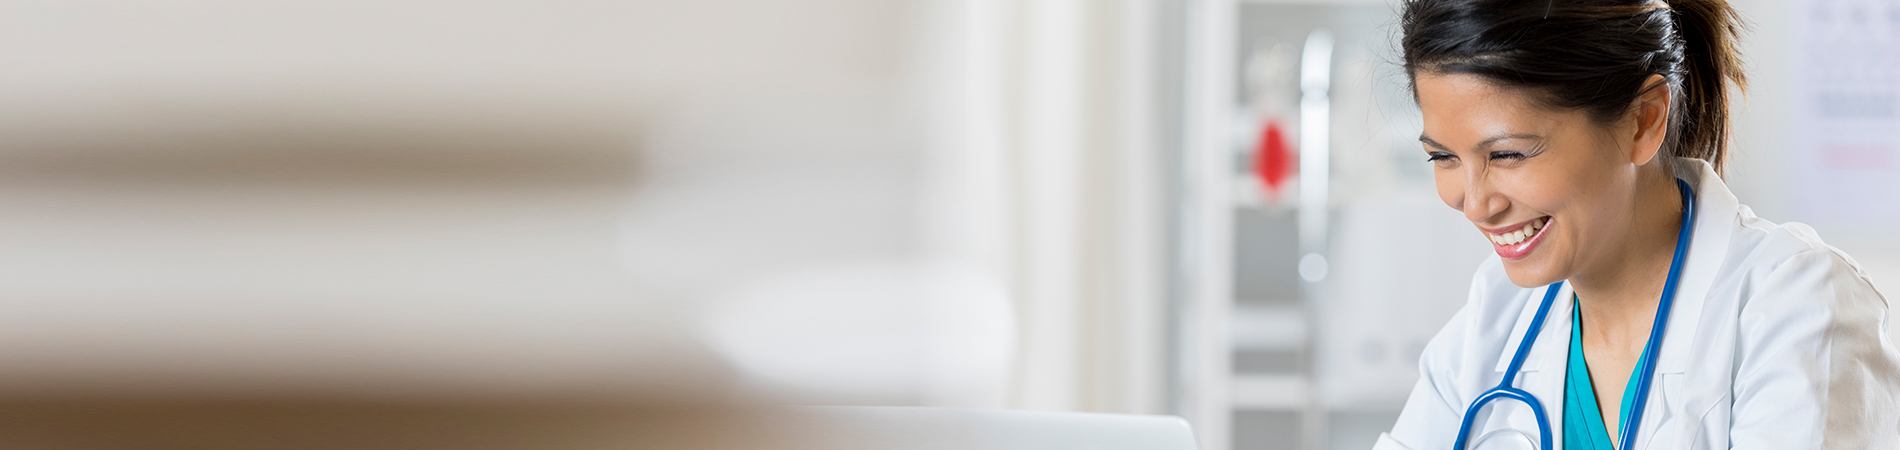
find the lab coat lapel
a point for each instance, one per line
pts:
(1549, 361)
(1708, 247)
(1559, 313)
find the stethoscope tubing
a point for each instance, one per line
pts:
(1647, 365)
(1504, 388)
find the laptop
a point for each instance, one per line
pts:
(920, 428)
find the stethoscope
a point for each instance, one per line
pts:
(1647, 366)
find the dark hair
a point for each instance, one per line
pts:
(1592, 56)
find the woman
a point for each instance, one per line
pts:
(1586, 139)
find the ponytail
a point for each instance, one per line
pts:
(1708, 30)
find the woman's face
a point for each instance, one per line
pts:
(1547, 187)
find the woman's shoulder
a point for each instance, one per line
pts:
(1789, 262)
(1805, 315)
(1784, 286)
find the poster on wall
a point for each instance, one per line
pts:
(1845, 164)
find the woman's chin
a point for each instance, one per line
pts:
(1530, 273)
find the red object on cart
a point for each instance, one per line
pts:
(1273, 158)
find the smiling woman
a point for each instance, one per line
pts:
(1585, 140)
(1510, 164)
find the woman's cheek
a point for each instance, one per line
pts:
(1537, 189)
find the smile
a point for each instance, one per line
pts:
(1518, 242)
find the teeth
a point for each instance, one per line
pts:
(1518, 236)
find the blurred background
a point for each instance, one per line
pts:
(1208, 208)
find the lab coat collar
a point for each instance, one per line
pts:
(1716, 208)
(1542, 350)
(1708, 247)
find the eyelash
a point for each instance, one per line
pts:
(1441, 156)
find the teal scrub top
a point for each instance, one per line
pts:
(1583, 421)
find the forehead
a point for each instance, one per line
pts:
(1463, 108)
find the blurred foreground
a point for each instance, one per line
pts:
(437, 224)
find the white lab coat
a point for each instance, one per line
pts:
(1776, 341)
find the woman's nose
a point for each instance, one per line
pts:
(1481, 200)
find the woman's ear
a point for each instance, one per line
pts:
(1651, 114)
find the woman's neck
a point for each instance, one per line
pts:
(1618, 295)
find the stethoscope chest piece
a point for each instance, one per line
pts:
(1504, 439)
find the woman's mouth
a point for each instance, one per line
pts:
(1518, 242)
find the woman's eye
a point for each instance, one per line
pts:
(1437, 156)
(1507, 155)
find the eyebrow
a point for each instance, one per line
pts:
(1481, 145)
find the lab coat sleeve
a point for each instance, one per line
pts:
(1814, 366)
(1433, 410)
